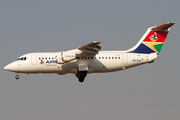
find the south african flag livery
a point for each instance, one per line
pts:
(153, 40)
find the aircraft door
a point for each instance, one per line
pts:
(33, 59)
(125, 58)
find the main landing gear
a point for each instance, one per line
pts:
(81, 72)
(17, 76)
(81, 75)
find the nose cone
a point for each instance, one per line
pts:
(12, 67)
(7, 67)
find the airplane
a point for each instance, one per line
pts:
(90, 59)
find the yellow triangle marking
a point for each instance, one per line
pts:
(151, 45)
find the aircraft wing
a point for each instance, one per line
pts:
(91, 48)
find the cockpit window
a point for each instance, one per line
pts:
(22, 58)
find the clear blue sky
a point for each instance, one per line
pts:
(148, 92)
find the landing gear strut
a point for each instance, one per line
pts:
(81, 75)
(17, 76)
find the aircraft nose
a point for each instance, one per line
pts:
(12, 67)
(7, 67)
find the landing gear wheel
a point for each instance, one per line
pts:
(81, 79)
(17, 77)
(81, 75)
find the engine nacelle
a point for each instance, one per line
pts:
(65, 58)
(69, 57)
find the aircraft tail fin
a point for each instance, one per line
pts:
(153, 40)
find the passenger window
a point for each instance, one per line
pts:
(109, 57)
(99, 57)
(52, 57)
(39, 58)
(112, 57)
(102, 57)
(118, 57)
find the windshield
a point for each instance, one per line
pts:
(22, 58)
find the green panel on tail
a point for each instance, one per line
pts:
(158, 47)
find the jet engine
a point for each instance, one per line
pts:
(65, 58)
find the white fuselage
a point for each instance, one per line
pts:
(90, 59)
(104, 61)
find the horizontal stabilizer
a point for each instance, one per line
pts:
(163, 27)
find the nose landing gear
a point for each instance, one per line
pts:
(17, 76)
